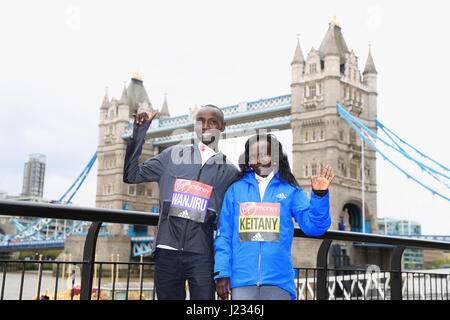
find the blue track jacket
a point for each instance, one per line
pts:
(264, 262)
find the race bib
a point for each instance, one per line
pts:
(259, 221)
(190, 200)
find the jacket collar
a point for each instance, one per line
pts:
(250, 178)
(197, 156)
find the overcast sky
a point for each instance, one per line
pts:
(57, 57)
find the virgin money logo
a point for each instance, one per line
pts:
(182, 185)
(248, 209)
(192, 187)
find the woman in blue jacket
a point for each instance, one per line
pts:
(255, 230)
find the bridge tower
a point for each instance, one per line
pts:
(114, 116)
(329, 75)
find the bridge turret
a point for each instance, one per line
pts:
(105, 103)
(124, 96)
(370, 80)
(370, 73)
(297, 70)
(123, 108)
(164, 113)
(298, 64)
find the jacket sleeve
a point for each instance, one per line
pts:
(224, 237)
(312, 215)
(149, 171)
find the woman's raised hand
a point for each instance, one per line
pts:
(322, 182)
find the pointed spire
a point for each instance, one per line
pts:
(164, 113)
(298, 55)
(370, 65)
(137, 94)
(328, 45)
(105, 102)
(333, 43)
(124, 97)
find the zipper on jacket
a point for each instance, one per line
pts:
(258, 283)
(187, 221)
(259, 265)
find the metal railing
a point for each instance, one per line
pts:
(374, 285)
(112, 280)
(319, 283)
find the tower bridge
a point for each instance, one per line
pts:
(321, 134)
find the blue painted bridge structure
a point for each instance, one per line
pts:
(241, 119)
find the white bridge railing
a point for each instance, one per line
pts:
(375, 285)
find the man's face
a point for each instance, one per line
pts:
(208, 125)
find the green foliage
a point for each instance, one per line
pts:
(438, 262)
(34, 255)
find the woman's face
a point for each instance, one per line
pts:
(260, 158)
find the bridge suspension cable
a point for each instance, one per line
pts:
(370, 138)
(33, 230)
(432, 172)
(384, 128)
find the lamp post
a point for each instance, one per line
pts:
(362, 188)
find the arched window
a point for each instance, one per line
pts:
(354, 217)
